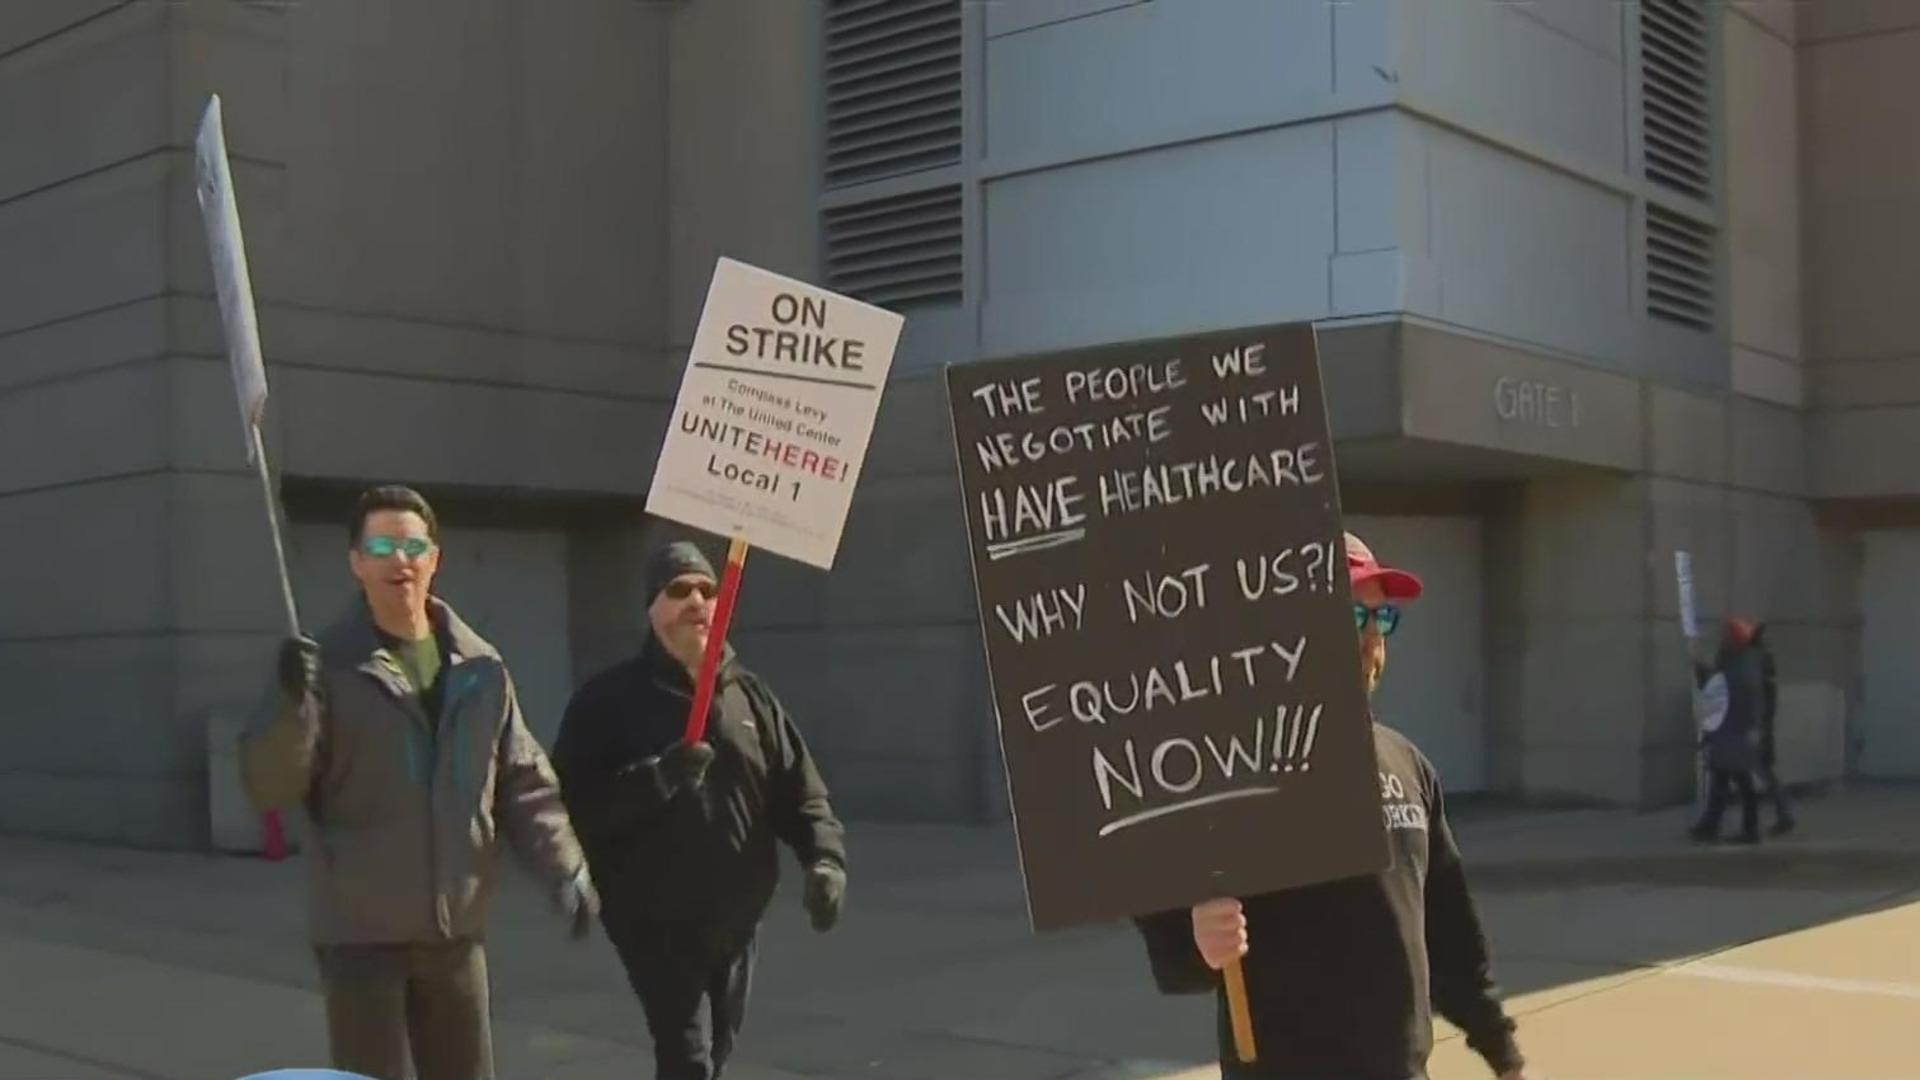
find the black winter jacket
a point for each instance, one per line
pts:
(1734, 745)
(1342, 977)
(697, 862)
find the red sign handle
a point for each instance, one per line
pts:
(716, 639)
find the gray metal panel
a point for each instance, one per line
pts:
(1381, 169)
(1528, 252)
(1537, 77)
(1229, 232)
(1107, 83)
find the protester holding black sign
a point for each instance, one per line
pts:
(682, 835)
(1343, 976)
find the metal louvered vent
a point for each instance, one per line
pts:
(1676, 48)
(1680, 264)
(898, 251)
(893, 87)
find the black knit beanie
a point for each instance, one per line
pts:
(673, 560)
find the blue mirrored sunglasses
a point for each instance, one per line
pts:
(1386, 617)
(382, 547)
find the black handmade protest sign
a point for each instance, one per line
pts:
(1157, 554)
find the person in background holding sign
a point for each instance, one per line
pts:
(1767, 771)
(682, 836)
(400, 734)
(1732, 750)
(1339, 974)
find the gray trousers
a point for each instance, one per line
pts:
(399, 1012)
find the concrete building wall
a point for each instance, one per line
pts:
(481, 236)
(1862, 339)
(88, 630)
(1863, 332)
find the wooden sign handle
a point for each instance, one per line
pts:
(1238, 1012)
(716, 639)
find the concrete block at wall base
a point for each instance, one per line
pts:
(1810, 737)
(233, 824)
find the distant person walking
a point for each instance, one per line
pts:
(1731, 736)
(1765, 770)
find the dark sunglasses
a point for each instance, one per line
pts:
(1386, 617)
(383, 547)
(680, 590)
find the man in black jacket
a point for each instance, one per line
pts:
(681, 837)
(1342, 977)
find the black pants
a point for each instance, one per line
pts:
(399, 1011)
(1724, 783)
(1770, 786)
(695, 1003)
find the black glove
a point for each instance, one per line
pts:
(684, 766)
(299, 667)
(579, 901)
(826, 889)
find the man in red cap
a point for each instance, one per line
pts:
(1343, 977)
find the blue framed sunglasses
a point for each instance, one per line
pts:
(1386, 617)
(385, 547)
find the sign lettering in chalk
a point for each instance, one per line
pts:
(1162, 584)
(774, 414)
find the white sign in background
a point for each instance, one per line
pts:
(213, 186)
(775, 413)
(1683, 575)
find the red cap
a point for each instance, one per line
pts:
(1363, 567)
(1740, 631)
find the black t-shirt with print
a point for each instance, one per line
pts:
(1343, 977)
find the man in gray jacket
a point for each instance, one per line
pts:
(399, 734)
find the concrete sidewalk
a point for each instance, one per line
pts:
(185, 967)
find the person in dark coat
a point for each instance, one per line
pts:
(1344, 977)
(1765, 771)
(682, 838)
(1732, 743)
